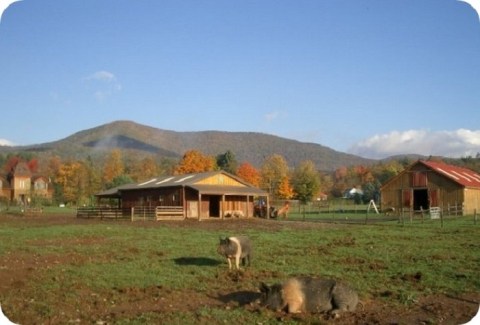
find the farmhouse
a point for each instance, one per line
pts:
(432, 185)
(216, 194)
(20, 185)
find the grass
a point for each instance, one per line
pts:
(397, 263)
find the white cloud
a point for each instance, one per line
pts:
(105, 84)
(271, 116)
(5, 142)
(455, 144)
(275, 115)
(102, 76)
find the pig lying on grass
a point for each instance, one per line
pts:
(235, 248)
(309, 294)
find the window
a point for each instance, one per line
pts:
(40, 185)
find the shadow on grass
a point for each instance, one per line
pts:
(241, 298)
(197, 261)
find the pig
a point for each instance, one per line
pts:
(236, 248)
(309, 294)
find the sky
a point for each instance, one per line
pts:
(374, 78)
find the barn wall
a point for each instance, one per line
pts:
(191, 198)
(220, 179)
(472, 200)
(152, 197)
(442, 192)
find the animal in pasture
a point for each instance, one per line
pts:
(235, 249)
(283, 211)
(4, 320)
(388, 211)
(234, 214)
(309, 294)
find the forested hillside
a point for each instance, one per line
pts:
(140, 140)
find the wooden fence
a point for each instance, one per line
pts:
(101, 212)
(157, 213)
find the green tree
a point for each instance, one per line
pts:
(306, 181)
(227, 162)
(273, 170)
(119, 180)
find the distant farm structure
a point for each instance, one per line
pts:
(432, 187)
(216, 194)
(21, 186)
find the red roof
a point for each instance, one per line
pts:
(462, 176)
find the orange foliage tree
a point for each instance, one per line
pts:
(113, 166)
(285, 189)
(249, 173)
(72, 177)
(194, 161)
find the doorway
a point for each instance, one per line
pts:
(214, 206)
(420, 199)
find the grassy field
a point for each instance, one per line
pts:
(58, 269)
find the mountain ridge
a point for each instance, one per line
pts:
(138, 139)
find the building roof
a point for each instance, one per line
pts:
(194, 181)
(462, 176)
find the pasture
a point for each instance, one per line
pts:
(57, 269)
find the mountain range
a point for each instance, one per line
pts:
(141, 140)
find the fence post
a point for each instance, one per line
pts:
(475, 216)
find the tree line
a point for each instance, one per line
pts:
(75, 182)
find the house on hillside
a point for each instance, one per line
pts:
(429, 184)
(20, 185)
(216, 194)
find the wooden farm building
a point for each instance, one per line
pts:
(205, 195)
(433, 186)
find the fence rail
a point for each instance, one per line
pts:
(140, 213)
(100, 212)
(169, 213)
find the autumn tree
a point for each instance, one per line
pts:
(227, 162)
(249, 173)
(113, 166)
(11, 163)
(273, 170)
(72, 178)
(93, 183)
(285, 190)
(142, 169)
(306, 181)
(194, 161)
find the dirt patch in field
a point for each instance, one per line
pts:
(110, 306)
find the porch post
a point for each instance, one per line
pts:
(199, 208)
(222, 207)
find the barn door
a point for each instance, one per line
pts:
(406, 198)
(433, 195)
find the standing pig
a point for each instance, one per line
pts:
(309, 294)
(238, 247)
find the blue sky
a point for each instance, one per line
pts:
(369, 77)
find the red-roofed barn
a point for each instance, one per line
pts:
(427, 184)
